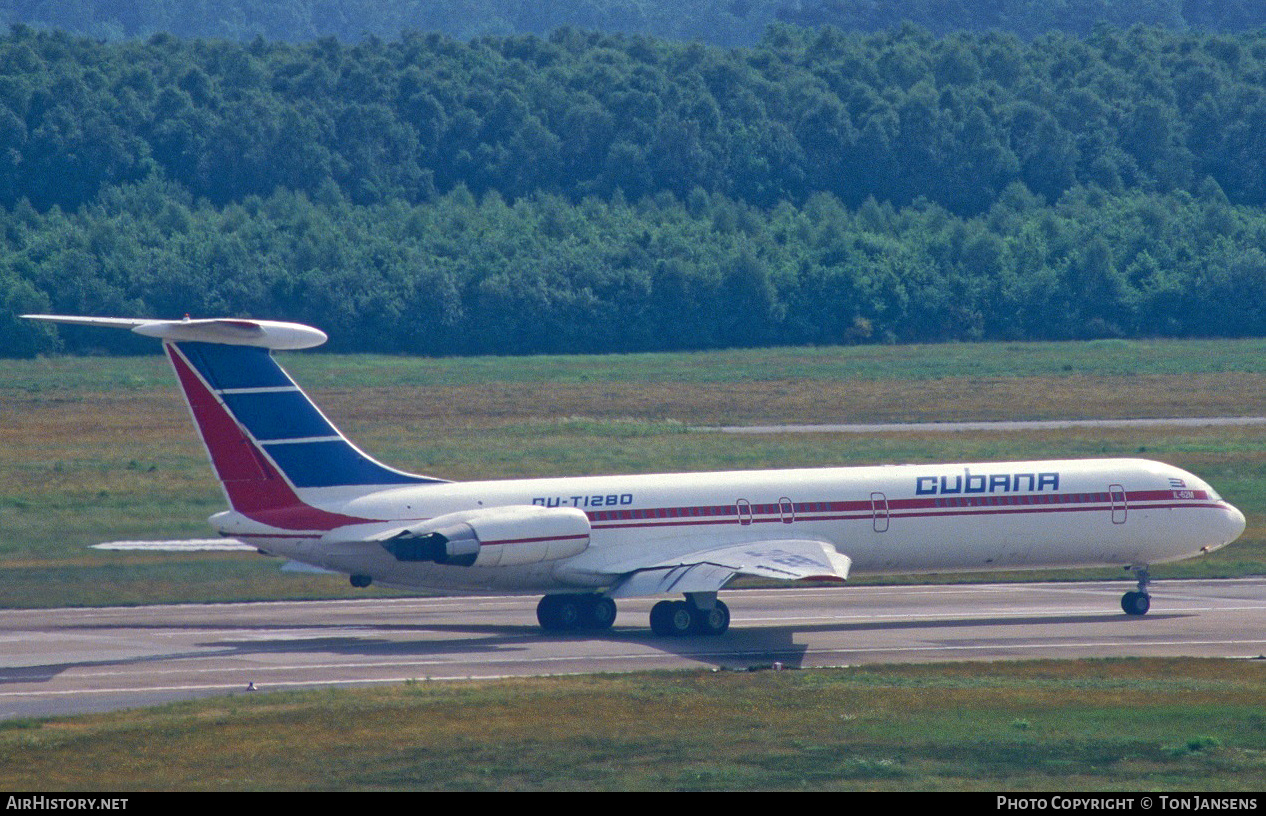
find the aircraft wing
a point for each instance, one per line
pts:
(709, 570)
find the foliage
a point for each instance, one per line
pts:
(542, 275)
(1027, 18)
(592, 192)
(719, 22)
(894, 116)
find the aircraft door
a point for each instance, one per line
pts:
(1119, 506)
(879, 511)
(787, 510)
(744, 508)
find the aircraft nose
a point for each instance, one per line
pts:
(1233, 524)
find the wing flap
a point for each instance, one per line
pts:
(710, 570)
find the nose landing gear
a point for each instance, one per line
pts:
(1137, 602)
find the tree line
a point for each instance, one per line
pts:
(595, 192)
(893, 116)
(467, 275)
(717, 22)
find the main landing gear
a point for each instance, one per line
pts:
(570, 612)
(1137, 602)
(700, 614)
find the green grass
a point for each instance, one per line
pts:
(1096, 358)
(102, 449)
(1102, 725)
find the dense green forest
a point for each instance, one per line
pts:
(718, 22)
(461, 275)
(893, 116)
(599, 192)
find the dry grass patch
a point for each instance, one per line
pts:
(1096, 725)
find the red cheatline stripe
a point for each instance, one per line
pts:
(533, 540)
(863, 511)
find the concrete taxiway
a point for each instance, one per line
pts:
(65, 661)
(991, 425)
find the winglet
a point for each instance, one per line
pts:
(269, 334)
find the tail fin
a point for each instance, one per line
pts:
(269, 444)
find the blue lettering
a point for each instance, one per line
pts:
(584, 501)
(970, 482)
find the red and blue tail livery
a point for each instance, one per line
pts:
(296, 487)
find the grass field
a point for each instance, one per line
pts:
(1107, 725)
(102, 449)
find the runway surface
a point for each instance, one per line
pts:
(66, 661)
(998, 425)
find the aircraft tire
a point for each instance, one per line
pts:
(672, 618)
(1136, 603)
(600, 613)
(714, 621)
(559, 613)
(567, 612)
(545, 613)
(570, 612)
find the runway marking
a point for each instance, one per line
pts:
(273, 685)
(986, 614)
(167, 654)
(987, 425)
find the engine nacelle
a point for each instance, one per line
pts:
(496, 537)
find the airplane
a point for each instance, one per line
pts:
(298, 488)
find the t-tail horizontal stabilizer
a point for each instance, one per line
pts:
(269, 334)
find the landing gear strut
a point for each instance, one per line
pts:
(700, 614)
(1137, 602)
(570, 612)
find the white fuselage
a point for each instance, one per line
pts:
(893, 519)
